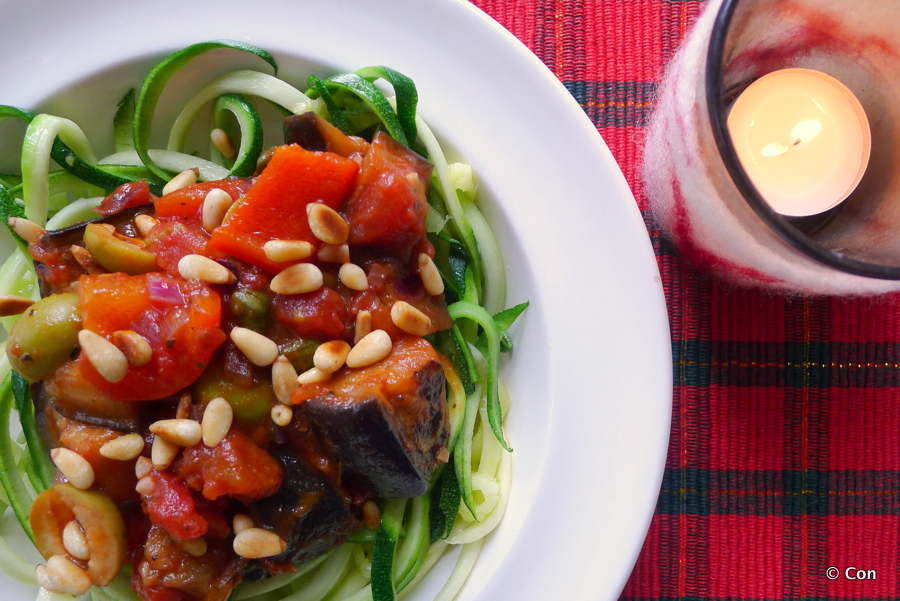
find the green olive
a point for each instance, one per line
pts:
(45, 336)
(300, 353)
(115, 254)
(252, 309)
(251, 400)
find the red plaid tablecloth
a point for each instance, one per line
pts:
(783, 473)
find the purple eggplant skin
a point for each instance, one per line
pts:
(304, 130)
(391, 445)
(308, 513)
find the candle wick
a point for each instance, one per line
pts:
(797, 141)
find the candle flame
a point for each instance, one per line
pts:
(773, 149)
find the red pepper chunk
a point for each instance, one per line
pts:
(275, 207)
(179, 318)
(171, 506)
(186, 202)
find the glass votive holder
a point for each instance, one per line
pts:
(708, 193)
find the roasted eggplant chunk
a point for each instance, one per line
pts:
(387, 422)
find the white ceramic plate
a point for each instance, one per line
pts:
(591, 373)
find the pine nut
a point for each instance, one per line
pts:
(183, 432)
(443, 454)
(373, 347)
(143, 467)
(13, 305)
(193, 546)
(260, 350)
(409, 319)
(144, 223)
(256, 543)
(182, 180)
(334, 253)
(353, 277)
(145, 486)
(123, 448)
(29, 231)
(217, 420)
(282, 415)
(43, 580)
(283, 251)
(241, 522)
(74, 467)
(330, 356)
(371, 514)
(75, 542)
(284, 379)
(431, 277)
(64, 577)
(313, 375)
(413, 178)
(222, 141)
(327, 224)
(185, 402)
(205, 269)
(135, 347)
(215, 206)
(163, 453)
(105, 356)
(363, 326)
(84, 258)
(297, 279)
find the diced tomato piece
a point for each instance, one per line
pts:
(186, 202)
(237, 466)
(275, 207)
(171, 506)
(387, 207)
(115, 478)
(180, 318)
(126, 196)
(321, 314)
(172, 240)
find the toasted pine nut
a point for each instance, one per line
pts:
(334, 253)
(327, 224)
(163, 453)
(371, 514)
(217, 420)
(288, 250)
(330, 356)
(183, 432)
(205, 269)
(255, 543)
(215, 206)
(65, 578)
(222, 141)
(284, 379)
(413, 178)
(353, 277)
(144, 223)
(193, 546)
(74, 467)
(260, 350)
(75, 542)
(431, 277)
(297, 279)
(145, 486)
(142, 467)
(13, 305)
(241, 522)
(409, 319)
(43, 580)
(443, 454)
(29, 231)
(135, 347)
(182, 180)
(123, 448)
(105, 356)
(373, 347)
(282, 415)
(363, 325)
(84, 258)
(185, 402)
(314, 375)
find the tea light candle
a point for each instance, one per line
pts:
(803, 139)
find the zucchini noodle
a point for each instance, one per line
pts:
(479, 475)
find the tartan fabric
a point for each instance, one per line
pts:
(784, 457)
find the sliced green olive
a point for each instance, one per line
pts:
(252, 308)
(251, 399)
(98, 516)
(115, 254)
(45, 336)
(300, 353)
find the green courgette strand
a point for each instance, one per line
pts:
(44, 469)
(384, 549)
(20, 497)
(411, 553)
(156, 81)
(405, 93)
(251, 133)
(123, 122)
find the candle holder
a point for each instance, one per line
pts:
(701, 193)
